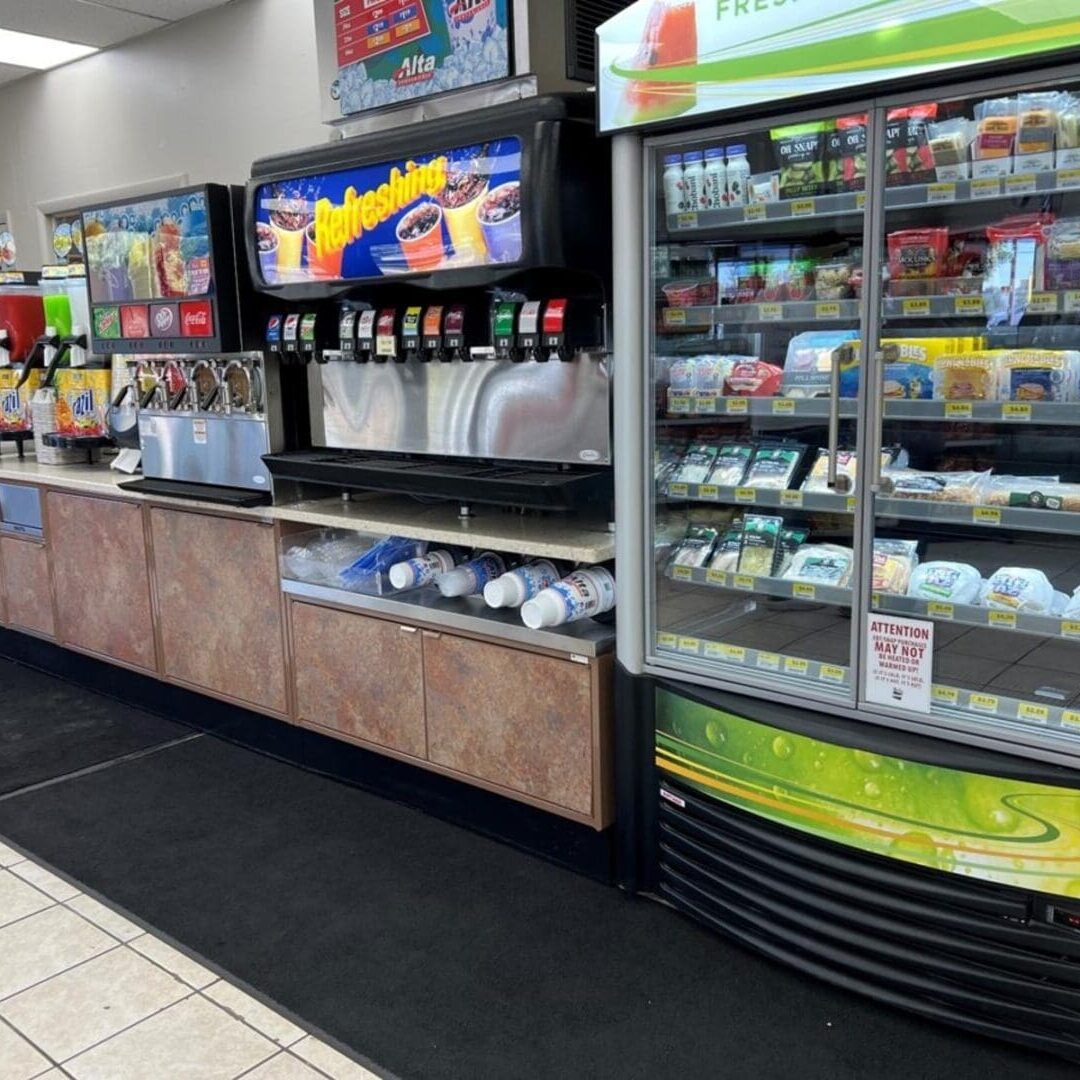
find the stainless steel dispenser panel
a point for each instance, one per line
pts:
(533, 411)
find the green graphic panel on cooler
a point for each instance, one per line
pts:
(1007, 831)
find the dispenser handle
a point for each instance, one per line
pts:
(28, 364)
(50, 371)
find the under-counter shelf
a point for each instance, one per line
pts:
(766, 586)
(468, 614)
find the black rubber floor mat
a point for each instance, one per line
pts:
(49, 728)
(442, 955)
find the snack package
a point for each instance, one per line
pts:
(763, 188)
(732, 460)
(832, 280)
(956, 583)
(966, 377)
(710, 373)
(1036, 129)
(894, 563)
(917, 253)
(1019, 588)
(909, 159)
(953, 487)
(1032, 493)
(847, 154)
(1039, 375)
(950, 147)
(696, 547)
(1063, 254)
(808, 364)
(82, 401)
(821, 564)
(1015, 266)
(760, 544)
(800, 155)
(696, 464)
(682, 375)
(965, 264)
(995, 133)
(774, 467)
(726, 552)
(753, 378)
(909, 367)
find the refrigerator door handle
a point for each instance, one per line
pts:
(878, 412)
(834, 417)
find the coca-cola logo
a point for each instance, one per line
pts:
(163, 320)
(194, 319)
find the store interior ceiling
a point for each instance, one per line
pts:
(99, 24)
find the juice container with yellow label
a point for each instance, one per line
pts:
(82, 400)
(15, 400)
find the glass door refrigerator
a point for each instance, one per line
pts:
(848, 506)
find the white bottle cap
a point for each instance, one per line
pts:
(505, 591)
(458, 582)
(403, 575)
(542, 610)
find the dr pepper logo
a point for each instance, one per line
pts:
(196, 319)
(163, 319)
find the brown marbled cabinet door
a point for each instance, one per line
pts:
(510, 717)
(98, 550)
(24, 567)
(219, 604)
(360, 676)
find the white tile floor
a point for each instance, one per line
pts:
(88, 994)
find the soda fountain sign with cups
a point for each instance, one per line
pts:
(440, 211)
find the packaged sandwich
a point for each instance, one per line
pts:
(1036, 130)
(809, 361)
(966, 377)
(732, 460)
(774, 467)
(726, 553)
(1019, 588)
(954, 487)
(846, 468)
(950, 146)
(1039, 375)
(696, 548)
(954, 582)
(696, 465)
(760, 544)
(821, 564)
(995, 133)
(894, 563)
(790, 542)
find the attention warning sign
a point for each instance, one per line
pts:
(899, 662)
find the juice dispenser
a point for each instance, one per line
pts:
(22, 323)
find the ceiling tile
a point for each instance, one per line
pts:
(172, 10)
(82, 21)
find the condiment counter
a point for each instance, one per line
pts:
(192, 594)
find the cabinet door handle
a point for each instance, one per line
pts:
(407, 629)
(432, 634)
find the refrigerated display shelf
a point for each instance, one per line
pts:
(998, 707)
(715, 406)
(973, 615)
(995, 517)
(768, 663)
(911, 196)
(763, 586)
(748, 496)
(1008, 412)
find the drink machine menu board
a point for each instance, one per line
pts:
(162, 273)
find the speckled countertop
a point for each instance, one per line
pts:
(554, 536)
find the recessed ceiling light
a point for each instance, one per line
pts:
(33, 51)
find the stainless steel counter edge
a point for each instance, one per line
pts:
(587, 638)
(588, 542)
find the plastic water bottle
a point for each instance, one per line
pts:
(422, 570)
(580, 595)
(673, 189)
(693, 181)
(471, 577)
(714, 193)
(517, 586)
(738, 175)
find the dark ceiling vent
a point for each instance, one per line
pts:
(582, 19)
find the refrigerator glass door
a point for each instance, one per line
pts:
(753, 313)
(976, 512)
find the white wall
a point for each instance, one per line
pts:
(205, 97)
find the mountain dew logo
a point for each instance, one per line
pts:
(82, 406)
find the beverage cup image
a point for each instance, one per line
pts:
(289, 226)
(267, 242)
(328, 265)
(421, 237)
(459, 200)
(499, 215)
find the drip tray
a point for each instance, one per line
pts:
(502, 484)
(208, 493)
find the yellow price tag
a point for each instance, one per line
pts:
(860, 200)
(986, 515)
(987, 188)
(689, 644)
(678, 490)
(850, 504)
(1016, 410)
(1067, 178)
(667, 641)
(958, 410)
(1070, 628)
(674, 316)
(769, 661)
(744, 581)
(783, 407)
(754, 212)
(713, 650)
(936, 609)
(803, 591)
(705, 406)
(733, 652)
(939, 193)
(796, 665)
(832, 673)
(1003, 620)
(947, 695)
(803, 208)
(1043, 303)
(917, 305)
(682, 573)
(680, 403)
(830, 309)
(875, 599)
(708, 491)
(968, 305)
(737, 405)
(1037, 714)
(686, 221)
(770, 312)
(983, 703)
(1071, 301)
(1020, 184)
(1070, 718)
(791, 499)
(745, 495)
(716, 577)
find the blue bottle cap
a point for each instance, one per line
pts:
(738, 150)
(694, 155)
(712, 155)
(673, 159)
